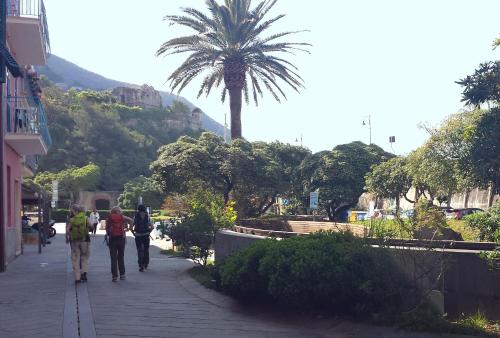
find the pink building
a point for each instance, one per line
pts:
(24, 43)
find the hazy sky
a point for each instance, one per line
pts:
(395, 60)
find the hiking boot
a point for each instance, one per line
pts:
(84, 277)
(122, 277)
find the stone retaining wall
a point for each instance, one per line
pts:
(464, 279)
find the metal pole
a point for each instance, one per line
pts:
(3, 27)
(370, 127)
(40, 227)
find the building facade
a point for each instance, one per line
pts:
(145, 96)
(25, 134)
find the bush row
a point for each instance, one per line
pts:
(336, 272)
(61, 215)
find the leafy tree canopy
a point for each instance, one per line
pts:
(483, 86)
(71, 180)
(254, 174)
(144, 187)
(339, 174)
(485, 149)
(389, 179)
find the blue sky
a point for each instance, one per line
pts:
(393, 60)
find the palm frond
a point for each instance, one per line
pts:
(245, 92)
(232, 34)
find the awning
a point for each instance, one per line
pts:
(10, 62)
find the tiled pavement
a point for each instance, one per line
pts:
(38, 299)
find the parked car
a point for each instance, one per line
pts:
(460, 213)
(407, 213)
(448, 212)
(383, 214)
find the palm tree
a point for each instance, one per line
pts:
(228, 45)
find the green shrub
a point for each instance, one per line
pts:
(488, 223)
(240, 274)
(325, 271)
(195, 230)
(59, 215)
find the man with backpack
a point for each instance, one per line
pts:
(116, 226)
(77, 230)
(141, 231)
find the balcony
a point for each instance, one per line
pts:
(27, 132)
(27, 31)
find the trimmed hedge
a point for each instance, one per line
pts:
(61, 215)
(336, 272)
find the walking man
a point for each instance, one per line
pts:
(141, 231)
(77, 230)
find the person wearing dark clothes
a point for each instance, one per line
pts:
(116, 226)
(142, 229)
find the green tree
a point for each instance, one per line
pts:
(195, 230)
(190, 164)
(485, 151)
(389, 180)
(432, 173)
(71, 180)
(89, 126)
(144, 187)
(339, 174)
(275, 171)
(444, 165)
(228, 44)
(496, 43)
(483, 86)
(253, 174)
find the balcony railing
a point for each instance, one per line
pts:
(31, 9)
(26, 115)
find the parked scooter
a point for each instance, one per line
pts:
(52, 230)
(25, 221)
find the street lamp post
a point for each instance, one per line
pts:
(369, 126)
(297, 140)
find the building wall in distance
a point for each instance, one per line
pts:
(145, 96)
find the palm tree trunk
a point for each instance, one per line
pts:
(235, 96)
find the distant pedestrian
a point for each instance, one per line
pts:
(94, 220)
(142, 229)
(116, 226)
(77, 231)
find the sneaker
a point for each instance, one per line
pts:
(114, 279)
(84, 277)
(141, 269)
(122, 277)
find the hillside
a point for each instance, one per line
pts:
(68, 75)
(90, 126)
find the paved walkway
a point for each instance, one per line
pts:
(38, 299)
